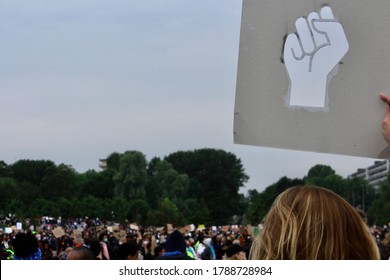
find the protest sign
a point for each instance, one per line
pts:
(309, 75)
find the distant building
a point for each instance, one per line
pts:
(374, 174)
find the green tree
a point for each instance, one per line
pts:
(130, 179)
(42, 179)
(333, 182)
(166, 213)
(269, 195)
(196, 211)
(320, 171)
(164, 181)
(260, 203)
(256, 209)
(113, 161)
(324, 176)
(89, 206)
(27, 192)
(138, 211)
(32, 171)
(8, 191)
(359, 193)
(29, 175)
(43, 207)
(356, 191)
(379, 210)
(120, 208)
(97, 184)
(65, 208)
(215, 176)
(18, 208)
(5, 170)
(58, 181)
(243, 205)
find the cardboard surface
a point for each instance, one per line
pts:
(350, 122)
(169, 228)
(58, 232)
(134, 227)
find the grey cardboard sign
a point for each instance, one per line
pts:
(347, 117)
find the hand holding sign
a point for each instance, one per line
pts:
(311, 54)
(386, 120)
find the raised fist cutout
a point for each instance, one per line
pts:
(311, 54)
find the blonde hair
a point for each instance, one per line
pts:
(313, 223)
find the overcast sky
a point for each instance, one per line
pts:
(82, 79)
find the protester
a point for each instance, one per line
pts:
(203, 251)
(385, 254)
(103, 239)
(96, 248)
(26, 247)
(85, 233)
(313, 223)
(209, 250)
(175, 248)
(158, 251)
(190, 249)
(235, 252)
(81, 253)
(128, 251)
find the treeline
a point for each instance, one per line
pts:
(200, 187)
(375, 203)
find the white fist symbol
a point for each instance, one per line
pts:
(311, 54)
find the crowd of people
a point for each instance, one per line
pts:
(303, 223)
(93, 239)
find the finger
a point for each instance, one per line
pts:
(327, 27)
(385, 98)
(305, 35)
(326, 13)
(292, 48)
(319, 37)
(335, 34)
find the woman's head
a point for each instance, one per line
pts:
(313, 223)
